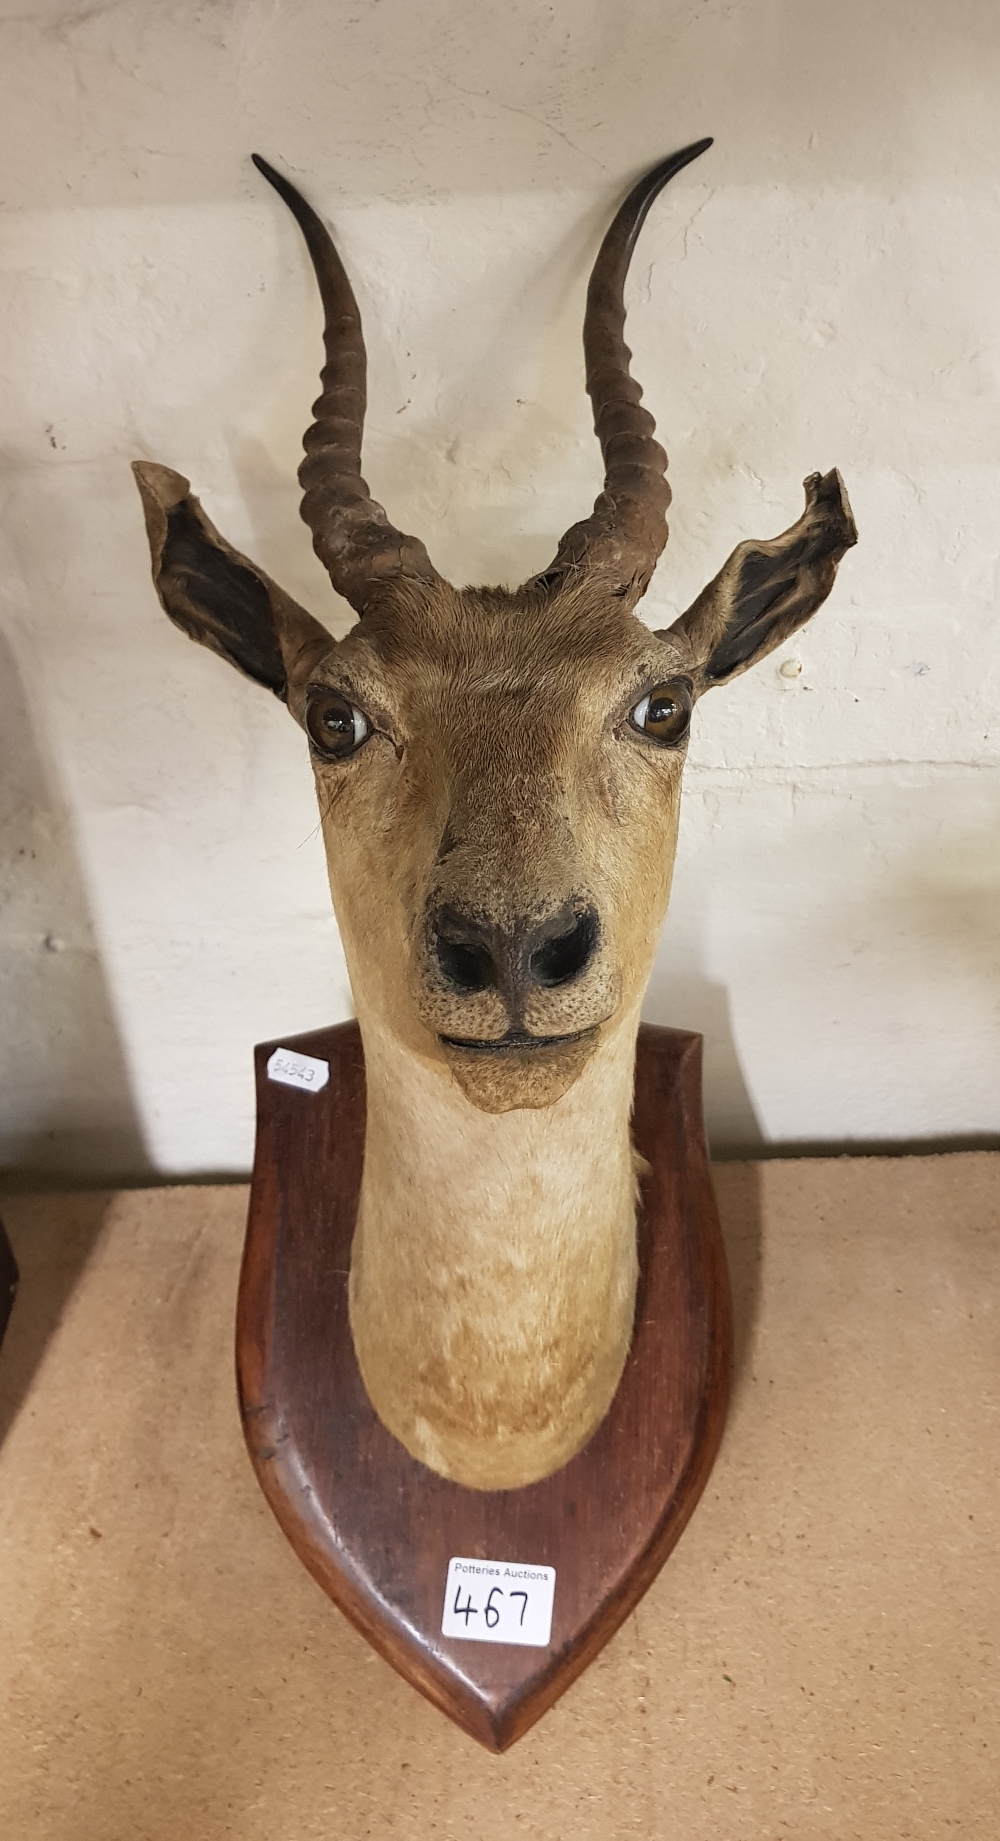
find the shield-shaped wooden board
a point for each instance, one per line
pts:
(376, 1528)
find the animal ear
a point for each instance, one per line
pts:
(767, 590)
(217, 596)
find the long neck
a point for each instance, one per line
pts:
(494, 1267)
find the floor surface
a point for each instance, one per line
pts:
(818, 1657)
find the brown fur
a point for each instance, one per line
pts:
(493, 1279)
(507, 735)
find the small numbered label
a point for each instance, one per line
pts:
(499, 1601)
(300, 1071)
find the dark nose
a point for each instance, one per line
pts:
(475, 955)
(557, 951)
(466, 951)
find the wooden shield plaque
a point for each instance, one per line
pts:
(376, 1528)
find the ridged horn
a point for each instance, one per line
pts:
(627, 529)
(361, 551)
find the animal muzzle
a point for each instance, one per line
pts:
(517, 982)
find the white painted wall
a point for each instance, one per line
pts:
(822, 289)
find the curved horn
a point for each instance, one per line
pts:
(352, 536)
(627, 529)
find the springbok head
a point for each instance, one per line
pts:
(498, 771)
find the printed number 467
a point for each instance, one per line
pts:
(491, 1612)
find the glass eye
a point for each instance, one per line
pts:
(664, 714)
(335, 728)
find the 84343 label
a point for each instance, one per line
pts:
(499, 1601)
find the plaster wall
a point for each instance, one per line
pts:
(821, 289)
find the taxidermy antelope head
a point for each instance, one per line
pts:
(498, 774)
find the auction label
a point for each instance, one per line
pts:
(499, 1601)
(300, 1071)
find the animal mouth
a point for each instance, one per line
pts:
(515, 1042)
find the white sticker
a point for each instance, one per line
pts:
(301, 1071)
(499, 1601)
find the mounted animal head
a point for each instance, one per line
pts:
(498, 771)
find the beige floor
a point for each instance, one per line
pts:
(819, 1657)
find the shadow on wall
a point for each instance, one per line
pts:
(66, 1109)
(683, 998)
